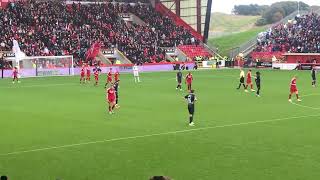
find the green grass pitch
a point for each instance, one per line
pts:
(56, 128)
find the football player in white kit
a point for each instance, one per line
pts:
(135, 70)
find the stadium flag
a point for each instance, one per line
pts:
(93, 51)
(17, 51)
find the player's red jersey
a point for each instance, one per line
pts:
(109, 78)
(116, 76)
(82, 72)
(293, 85)
(15, 73)
(111, 93)
(96, 75)
(88, 72)
(189, 78)
(249, 78)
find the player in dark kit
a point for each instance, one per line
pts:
(241, 79)
(116, 87)
(313, 75)
(179, 80)
(258, 83)
(191, 99)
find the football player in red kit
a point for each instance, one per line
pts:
(15, 75)
(294, 89)
(111, 98)
(109, 78)
(88, 73)
(189, 80)
(82, 74)
(96, 77)
(116, 76)
(249, 81)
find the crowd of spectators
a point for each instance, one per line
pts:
(45, 28)
(301, 35)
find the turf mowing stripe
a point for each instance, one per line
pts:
(151, 135)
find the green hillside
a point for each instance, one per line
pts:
(225, 43)
(227, 23)
(228, 31)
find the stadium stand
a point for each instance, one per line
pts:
(193, 51)
(300, 35)
(45, 28)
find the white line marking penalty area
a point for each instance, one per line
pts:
(152, 135)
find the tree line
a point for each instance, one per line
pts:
(269, 14)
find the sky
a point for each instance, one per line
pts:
(226, 6)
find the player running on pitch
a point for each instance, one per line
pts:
(241, 79)
(294, 89)
(313, 76)
(111, 98)
(15, 74)
(258, 83)
(135, 70)
(179, 80)
(189, 79)
(109, 78)
(249, 81)
(191, 99)
(82, 74)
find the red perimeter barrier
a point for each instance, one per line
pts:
(266, 55)
(302, 57)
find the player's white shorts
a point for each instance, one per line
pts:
(135, 73)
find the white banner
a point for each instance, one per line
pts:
(284, 66)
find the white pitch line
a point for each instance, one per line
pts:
(36, 85)
(152, 135)
(304, 106)
(309, 107)
(314, 94)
